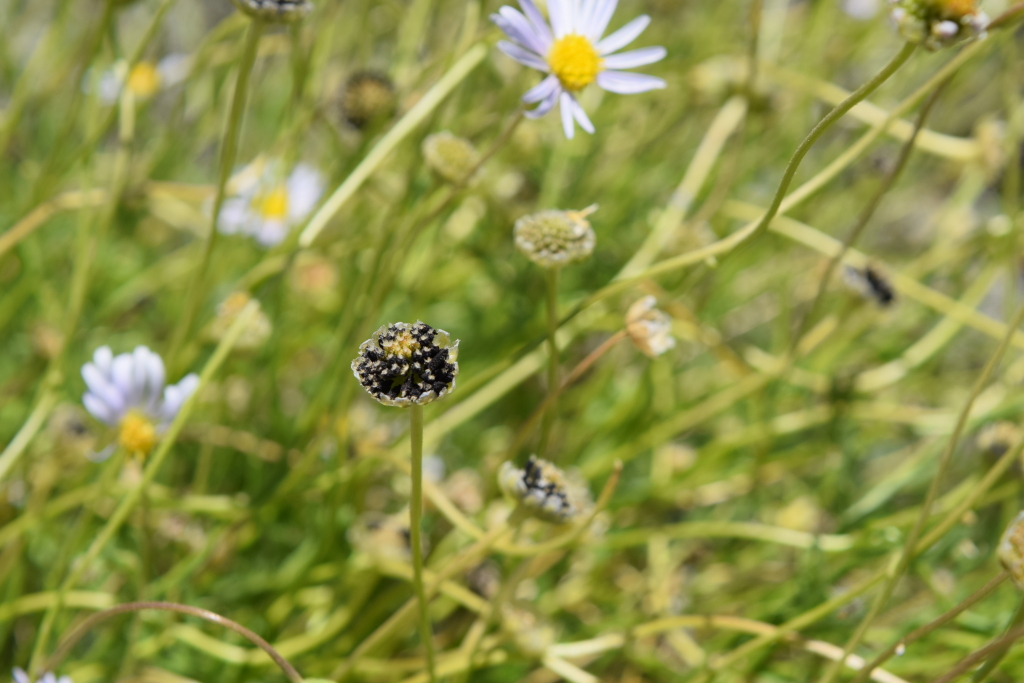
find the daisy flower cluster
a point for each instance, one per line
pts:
(129, 392)
(571, 48)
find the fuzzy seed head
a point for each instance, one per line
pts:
(449, 156)
(553, 239)
(938, 23)
(367, 97)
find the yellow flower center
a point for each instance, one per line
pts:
(274, 204)
(403, 345)
(144, 80)
(575, 61)
(138, 435)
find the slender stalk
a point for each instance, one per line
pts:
(971, 660)
(228, 153)
(837, 113)
(907, 552)
(83, 629)
(868, 212)
(416, 533)
(997, 656)
(553, 389)
(576, 373)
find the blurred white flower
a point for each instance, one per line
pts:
(265, 204)
(861, 9)
(572, 51)
(20, 676)
(128, 392)
(145, 79)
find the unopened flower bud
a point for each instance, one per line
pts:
(553, 239)
(449, 156)
(1011, 550)
(255, 333)
(649, 328)
(937, 23)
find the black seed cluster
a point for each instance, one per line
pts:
(404, 363)
(543, 482)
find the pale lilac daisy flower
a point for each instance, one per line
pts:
(20, 676)
(266, 203)
(129, 392)
(574, 54)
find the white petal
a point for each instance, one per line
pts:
(624, 36)
(625, 83)
(305, 187)
(101, 456)
(567, 120)
(104, 389)
(635, 58)
(271, 233)
(545, 106)
(99, 409)
(581, 117)
(174, 68)
(234, 215)
(103, 357)
(155, 376)
(542, 91)
(599, 18)
(523, 56)
(576, 15)
(121, 374)
(140, 377)
(513, 23)
(20, 676)
(540, 25)
(561, 20)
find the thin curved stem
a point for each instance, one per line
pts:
(228, 153)
(907, 552)
(868, 212)
(553, 361)
(416, 533)
(69, 641)
(997, 656)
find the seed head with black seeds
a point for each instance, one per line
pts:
(403, 364)
(544, 490)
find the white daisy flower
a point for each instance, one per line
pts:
(571, 49)
(266, 204)
(20, 676)
(128, 392)
(145, 79)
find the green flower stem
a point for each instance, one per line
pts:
(907, 552)
(83, 629)
(866, 214)
(416, 534)
(132, 499)
(228, 152)
(553, 361)
(981, 674)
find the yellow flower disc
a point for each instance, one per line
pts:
(575, 61)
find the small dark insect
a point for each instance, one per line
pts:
(871, 284)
